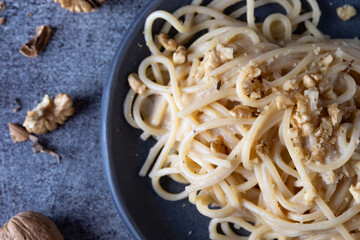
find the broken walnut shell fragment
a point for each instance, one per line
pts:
(18, 133)
(35, 45)
(30, 226)
(80, 5)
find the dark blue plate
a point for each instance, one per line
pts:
(146, 215)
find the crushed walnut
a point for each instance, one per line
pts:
(2, 21)
(179, 56)
(80, 5)
(136, 84)
(48, 114)
(241, 111)
(19, 134)
(167, 42)
(37, 43)
(217, 145)
(283, 102)
(217, 56)
(346, 12)
(355, 192)
(2, 6)
(251, 82)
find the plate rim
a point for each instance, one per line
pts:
(105, 131)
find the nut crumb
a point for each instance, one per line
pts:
(168, 43)
(30, 15)
(217, 145)
(48, 114)
(136, 84)
(179, 56)
(35, 45)
(283, 102)
(308, 81)
(2, 6)
(2, 21)
(355, 192)
(346, 12)
(241, 111)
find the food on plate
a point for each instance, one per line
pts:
(258, 120)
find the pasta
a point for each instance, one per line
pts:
(259, 120)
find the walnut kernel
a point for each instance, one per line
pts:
(346, 12)
(136, 84)
(168, 43)
(48, 114)
(241, 111)
(217, 145)
(179, 56)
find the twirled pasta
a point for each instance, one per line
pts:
(261, 124)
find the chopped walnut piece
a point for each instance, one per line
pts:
(241, 111)
(249, 82)
(217, 145)
(80, 5)
(136, 84)
(346, 12)
(225, 53)
(325, 63)
(325, 129)
(2, 6)
(2, 20)
(168, 43)
(313, 99)
(47, 114)
(212, 60)
(38, 43)
(289, 85)
(283, 102)
(18, 133)
(328, 177)
(179, 56)
(308, 81)
(355, 192)
(335, 114)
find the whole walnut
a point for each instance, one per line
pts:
(30, 226)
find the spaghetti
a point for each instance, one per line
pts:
(260, 123)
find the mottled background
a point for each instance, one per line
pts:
(73, 194)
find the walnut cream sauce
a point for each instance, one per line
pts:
(254, 119)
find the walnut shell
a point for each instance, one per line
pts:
(30, 226)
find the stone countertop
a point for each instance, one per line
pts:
(74, 194)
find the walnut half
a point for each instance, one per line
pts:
(48, 114)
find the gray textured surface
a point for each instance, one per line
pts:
(74, 193)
